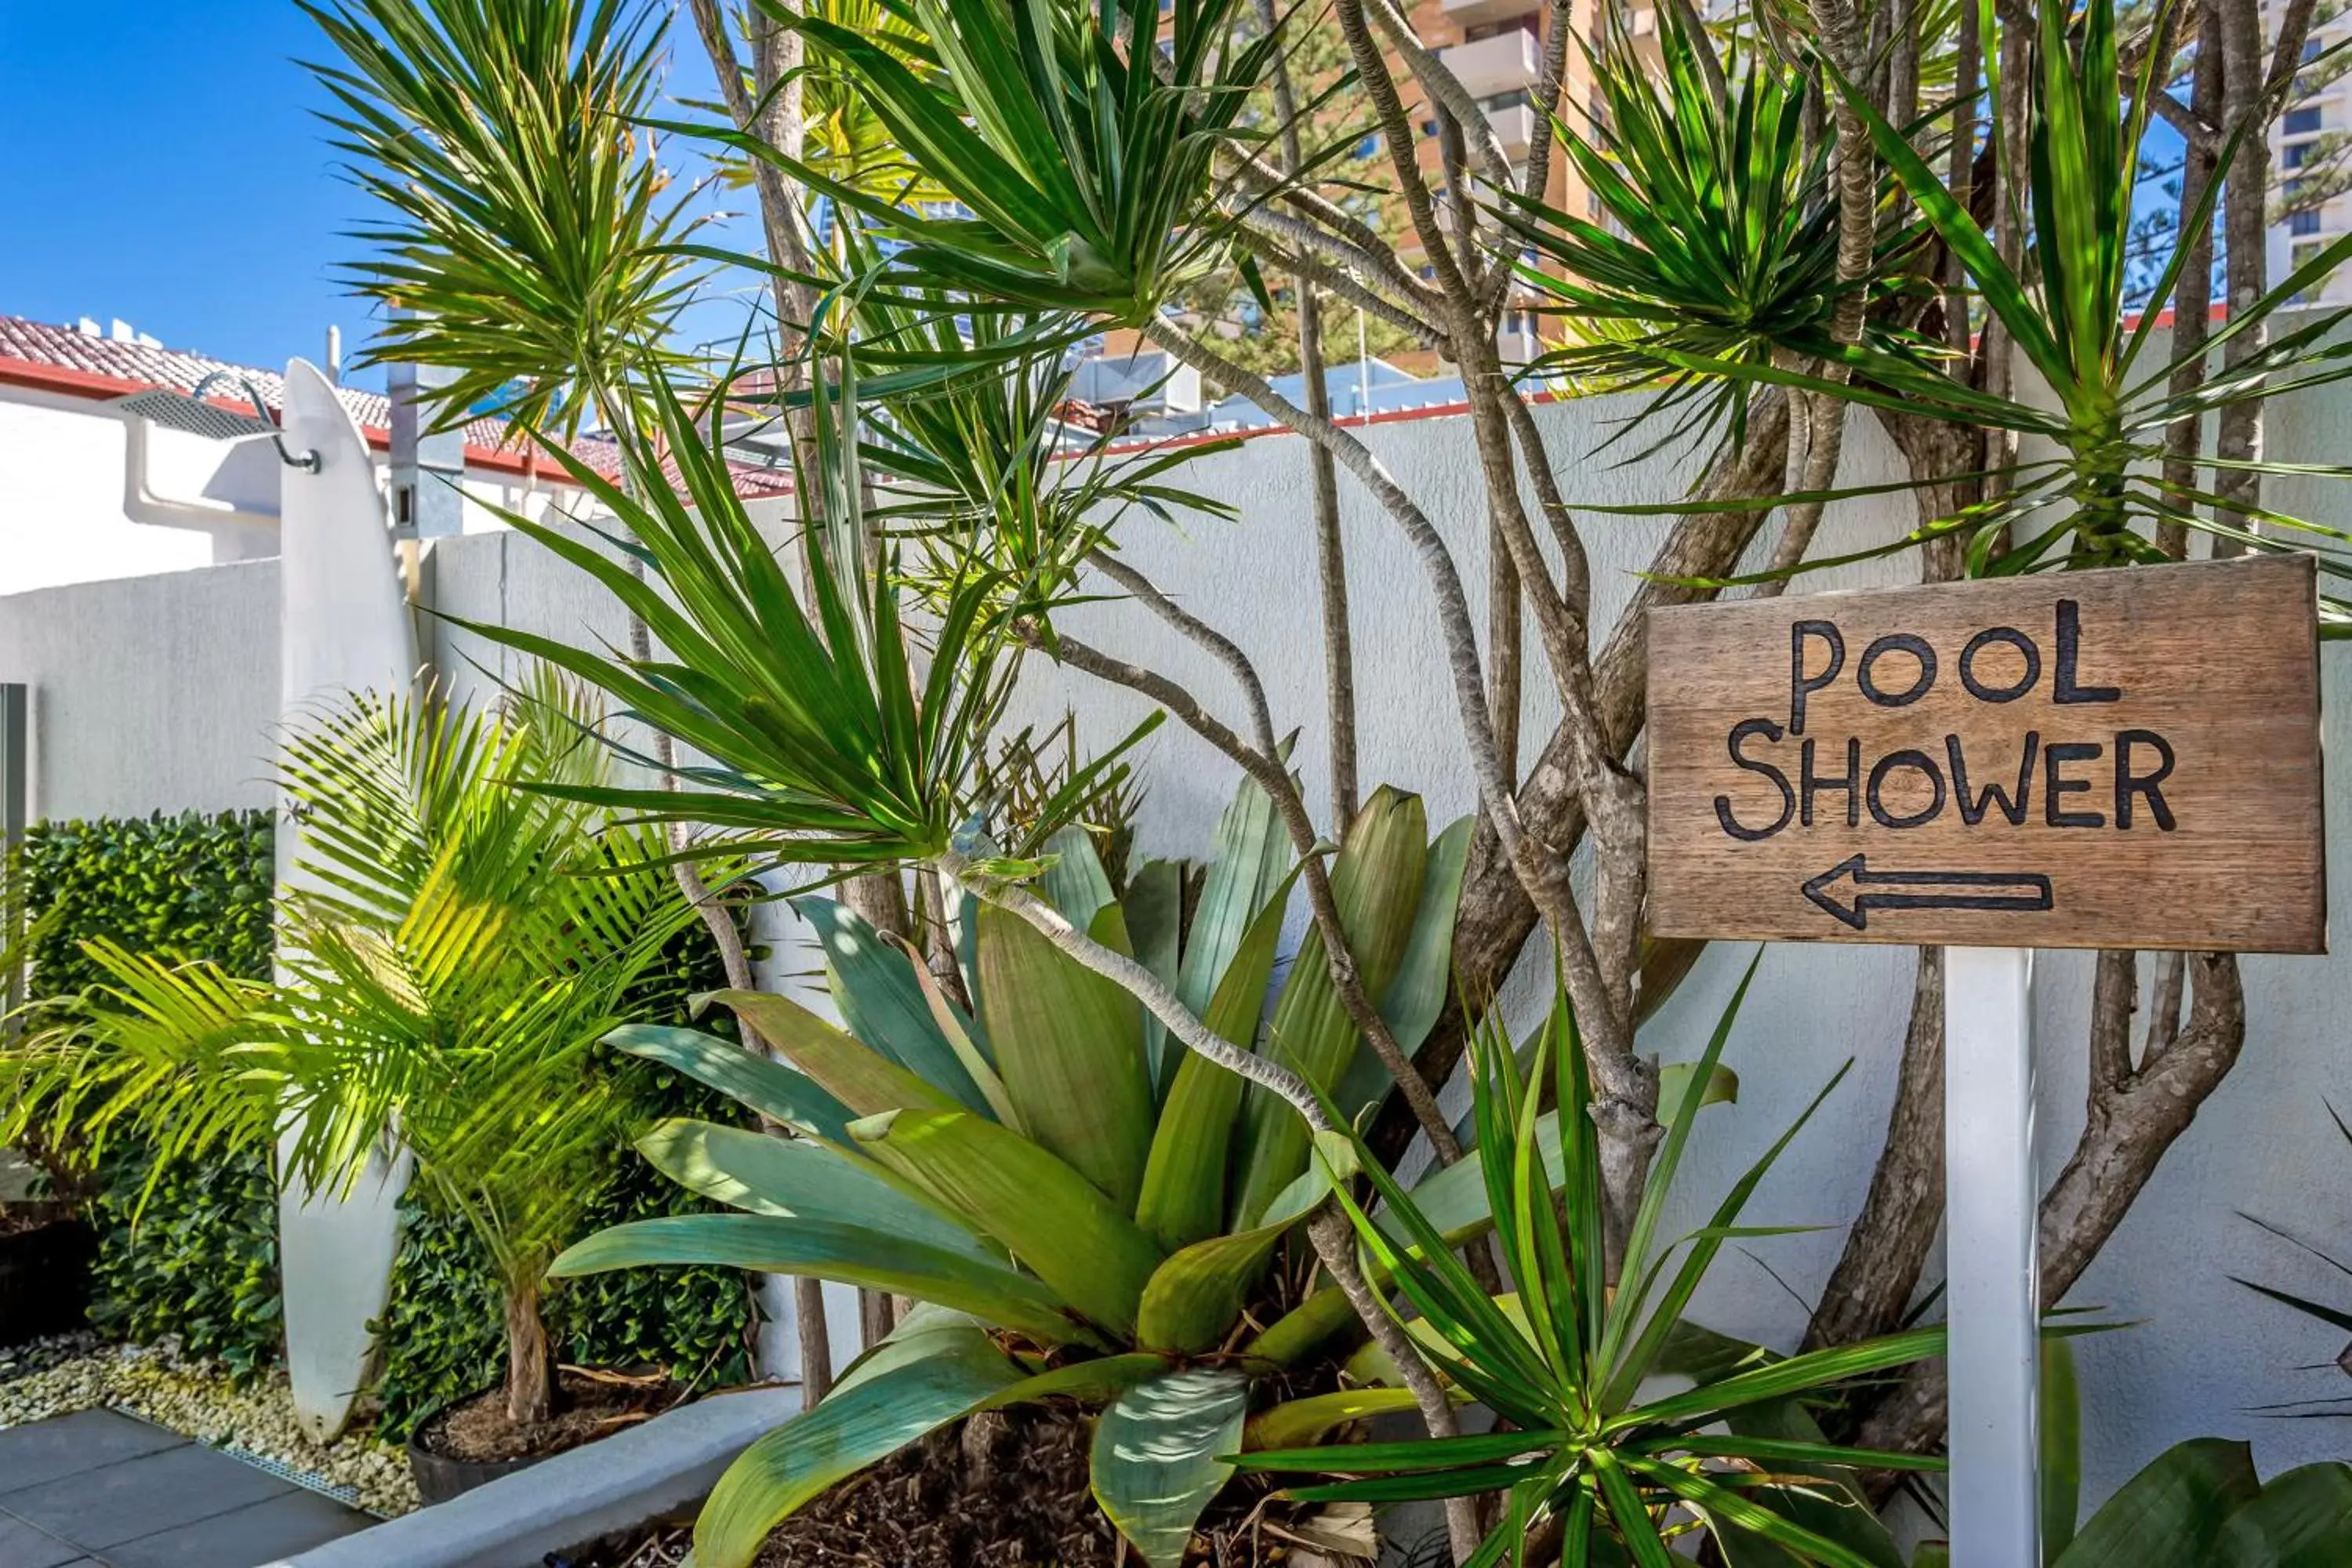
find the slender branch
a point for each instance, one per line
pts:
(1334, 1244)
(1266, 233)
(1535, 175)
(1445, 90)
(1396, 134)
(1330, 545)
(1263, 766)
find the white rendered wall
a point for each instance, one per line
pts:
(156, 693)
(69, 511)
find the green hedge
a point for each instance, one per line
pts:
(201, 1262)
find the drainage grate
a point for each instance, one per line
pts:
(310, 1480)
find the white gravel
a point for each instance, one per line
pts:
(73, 1372)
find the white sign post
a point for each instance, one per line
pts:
(1991, 1205)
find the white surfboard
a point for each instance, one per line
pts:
(344, 626)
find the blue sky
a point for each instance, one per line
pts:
(162, 165)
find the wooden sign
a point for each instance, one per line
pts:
(2123, 758)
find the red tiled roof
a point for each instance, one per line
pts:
(68, 360)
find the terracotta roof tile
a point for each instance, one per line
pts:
(40, 344)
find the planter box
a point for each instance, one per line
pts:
(662, 1466)
(45, 1273)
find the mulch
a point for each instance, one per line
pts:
(589, 1405)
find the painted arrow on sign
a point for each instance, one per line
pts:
(1923, 890)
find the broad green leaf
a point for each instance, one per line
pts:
(2168, 1515)
(1674, 1080)
(1155, 917)
(773, 1090)
(1296, 1423)
(2062, 1448)
(1069, 1047)
(853, 1428)
(858, 1076)
(871, 1417)
(1054, 1221)
(1183, 1197)
(1195, 1300)
(789, 1177)
(1416, 995)
(1304, 1329)
(1158, 1455)
(881, 1002)
(829, 1250)
(1375, 883)
(1073, 882)
(1249, 854)
(2302, 1520)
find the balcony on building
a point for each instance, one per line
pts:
(1507, 62)
(1513, 118)
(1470, 13)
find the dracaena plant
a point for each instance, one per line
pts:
(1720, 236)
(1080, 163)
(530, 241)
(1565, 1356)
(1049, 1166)
(452, 949)
(2100, 501)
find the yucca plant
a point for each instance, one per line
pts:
(2069, 315)
(1079, 165)
(1720, 236)
(531, 245)
(1564, 1357)
(453, 949)
(1100, 1208)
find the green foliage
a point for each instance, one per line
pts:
(1566, 1359)
(1084, 166)
(1024, 1163)
(528, 218)
(200, 1262)
(441, 1336)
(2199, 1504)
(1721, 233)
(457, 944)
(192, 884)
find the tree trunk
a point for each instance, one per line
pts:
(531, 1362)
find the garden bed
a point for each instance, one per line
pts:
(74, 1372)
(1010, 1490)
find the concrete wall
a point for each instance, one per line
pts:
(86, 496)
(148, 693)
(158, 692)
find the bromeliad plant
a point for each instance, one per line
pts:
(1565, 1358)
(1090, 1211)
(452, 949)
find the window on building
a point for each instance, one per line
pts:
(1429, 128)
(2303, 223)
(2298, 153)
(1369, 147)
(1529, 23)
(1503, 101)
(2302, 121)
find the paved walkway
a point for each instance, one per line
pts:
(101, 1489)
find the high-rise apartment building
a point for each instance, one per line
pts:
(1496, 49)
(2307, 145)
